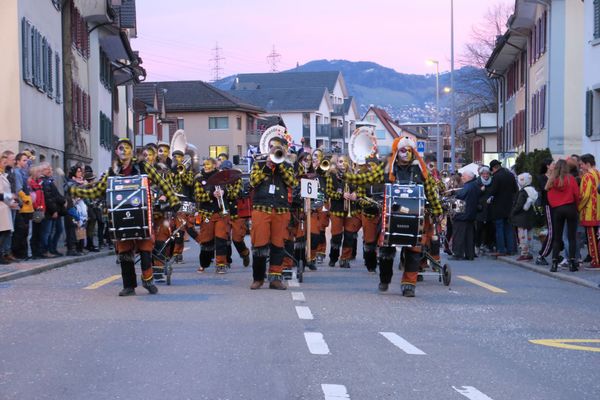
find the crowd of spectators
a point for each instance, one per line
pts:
(35, 210)
(502, 210)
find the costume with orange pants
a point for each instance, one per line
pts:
(238, 226)
(272, 185)
(344, 223)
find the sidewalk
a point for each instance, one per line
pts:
(582, 277)
(18, 270)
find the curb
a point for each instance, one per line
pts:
(555, 275)
(53, 265)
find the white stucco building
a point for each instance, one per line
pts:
(31, 78)
(591, 41)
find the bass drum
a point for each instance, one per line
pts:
(403, 215)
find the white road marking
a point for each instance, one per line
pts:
(402, 343)
(304, 312)
(335, 392)
(471, 393)
(298, 296)
(293, 283)
(316, 343)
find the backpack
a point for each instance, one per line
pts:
(37, 195)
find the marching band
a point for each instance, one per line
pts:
(396, 202)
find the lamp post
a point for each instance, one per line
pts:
(437, 113)
(452, 116)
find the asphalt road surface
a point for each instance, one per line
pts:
(334, 336)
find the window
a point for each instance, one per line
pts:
(538, 110)
(384, 150)
(105, 131)
(58, 96)
(26, 50)
(214, 151)
(79, 33)
(538, 38)
(105, 71)
(380, 133)
(592, 114)
(239, 147)
(180, 123)
(239, 123)
(218, 122)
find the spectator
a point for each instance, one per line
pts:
(484, 226)
(38, 216)
(502, 193)
(7, 164)
(55, 209)
(542, 179)
(7, 204)
(589, 209)
(20, 248)
(522, 214)
(463, 244)
(563, 197)
(94, 214)
(74, 219)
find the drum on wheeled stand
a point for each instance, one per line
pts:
(403, 221)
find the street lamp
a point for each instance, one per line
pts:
(437, 112)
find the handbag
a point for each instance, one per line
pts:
(38, 216)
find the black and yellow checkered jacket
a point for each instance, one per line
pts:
(98, 189)
(206, 203)
(334, 189)
(282, 176)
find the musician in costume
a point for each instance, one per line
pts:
(370, 217)
(182, 181)
(344, 213)
(215, 227)
(128, 166)
(238, 223)
(272, 183)
(321, 214)
(405, 166)
(162, 154)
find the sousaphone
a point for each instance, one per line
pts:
(191, 159)
(362, 145)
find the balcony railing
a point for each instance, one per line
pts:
(337, 132)
(323, 130)
(338, 109)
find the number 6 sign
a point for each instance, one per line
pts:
(309, 188)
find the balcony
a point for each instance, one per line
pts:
(338, 109)
(323, 130)
(337, 132)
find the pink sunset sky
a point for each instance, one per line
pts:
(176, 38)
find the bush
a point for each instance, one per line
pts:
(532, 162)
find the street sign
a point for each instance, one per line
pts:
(309, 188)
(421, 147)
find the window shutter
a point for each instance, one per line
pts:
(89, 112)
(85, 109)
(26, 49)
(73, 105)
(50, 79)
(596, 19)
(34, 63)
(58, 96)
(589, 113)
(543, 108)
(44, 63)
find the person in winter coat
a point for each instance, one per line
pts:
(20, 248)
(522, 214)
(55, 209)
(563, 197)
(74, 217)
(589, 209)
(463, 240)
(542, 179)
(502, 194)
(7, 204)
(485, 230)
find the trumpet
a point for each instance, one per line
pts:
(325, 164)
(183, 167)
(347, 204)
(221, 201)
(276, 155)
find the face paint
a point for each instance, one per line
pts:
(405, 155)
(163, 153)
(124, 152)
(149, 156)
(178, 159)
(342, 164)
(307, 162)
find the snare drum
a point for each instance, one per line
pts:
(129, 207)
(403, 215)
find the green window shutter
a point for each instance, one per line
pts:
(596, 19)
(26, 50)
(589, 113)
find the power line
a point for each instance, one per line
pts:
(273, 59)
(217, 59)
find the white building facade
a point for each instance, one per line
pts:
(591, 40)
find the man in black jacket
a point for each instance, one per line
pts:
(52, 225)
(463, 238)
(502, 194)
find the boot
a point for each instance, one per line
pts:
(150, 286)
(90, 245)
(128, 291)
(408, 290)
(277, 285)
(256, 285)
(554, 266)
(573, 265)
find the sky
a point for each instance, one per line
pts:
(177, 38)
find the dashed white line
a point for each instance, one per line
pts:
(402, 343)
(293, 283)
(335, 392)
(316, 344)
(304, 312)
(471, 393)
(298, 296)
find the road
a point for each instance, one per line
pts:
(334, 336)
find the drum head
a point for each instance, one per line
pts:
(225, 177)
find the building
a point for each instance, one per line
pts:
(430, 131)
(213, 120)
(591, 39)
(386, 129)
(315, 106)
(32, 73)
(482, 132)
(537, 63)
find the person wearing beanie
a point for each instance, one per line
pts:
(484, 226)
(126, 165)
(405, 166)
(522, 214)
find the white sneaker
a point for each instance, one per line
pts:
(564, 264)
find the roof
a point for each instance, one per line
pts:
(508, 47)
(389, 124)
(284, 99)
(280, 80)
(192, 96)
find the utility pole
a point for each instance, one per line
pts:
(273, 59)
(217, 62)
(452, 110)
